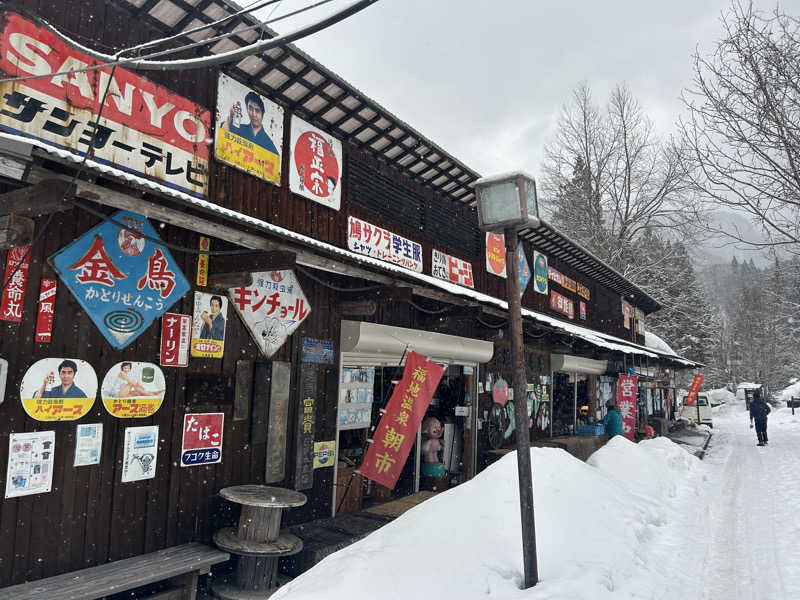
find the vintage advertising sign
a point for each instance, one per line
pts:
(14, 292)
(691, 397)
(562, 304)
(316, 351)
(396, 431)
(583, 291)
(496, 254)
(451, 269)
(3, 378)
(271, 309)
(315, 168)
(324, 454)
(123, 281)
(145, 129)
(583, 309)
(523, 269)
(356, 397)
(208, 325)
(88, 444)
(249, 130)
(140, 453)
(539, 272)
(627, 390)
(176, 337)
(133, 390)
(58, 389)
(627, 314)
(374, 241)
(202, 439)
(562, 280)
(202, 262)
(304, 441)
(47, 304)
(30, 463)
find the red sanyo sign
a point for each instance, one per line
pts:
(145, 129)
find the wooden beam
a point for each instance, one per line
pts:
(253, 263)
(223, 281)
(357, 308)
(15, 231)
(35, 200)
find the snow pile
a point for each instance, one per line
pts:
(606, 528)
(720, 396)
(793, 391)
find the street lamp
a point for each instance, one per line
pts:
(508, 203)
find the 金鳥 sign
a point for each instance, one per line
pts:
(562, 304)
(397, 429)
(202, 439)
(374, 241)
(208, 325)
(451, 269)
(17, 262)
(539, 272)
(271, 309)
(176, 336)
(315, 168)
(627, 390)
(122, 279)
(47, 304)
(249, 130)
(144, 129)
(496, 254)
(133, 390)
(691, 397)
(58, 389)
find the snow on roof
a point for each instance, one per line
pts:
(651, 340)
(748, 385)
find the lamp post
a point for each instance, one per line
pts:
(508, 203)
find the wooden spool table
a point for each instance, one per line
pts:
(257, 540)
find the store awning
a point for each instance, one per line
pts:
(566, 363)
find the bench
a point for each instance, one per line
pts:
(186, 562)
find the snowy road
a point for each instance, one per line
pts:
(754, 552)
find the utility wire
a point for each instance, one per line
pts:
(336, 288)
(428, 311)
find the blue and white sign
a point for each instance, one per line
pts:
(523, 270)
(122, 280)
(316, 351)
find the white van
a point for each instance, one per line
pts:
(700, 412)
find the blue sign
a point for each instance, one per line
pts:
(316, 351)
(523, 270)
(122, 280)
(201, 456)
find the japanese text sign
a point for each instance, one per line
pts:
(523, 269)
(365, 238)
(451, 269)
(271, 309)
(561, 279)
(208, 325)
(627, 314)
(58, 389)
(691, 398)
(202, 262)
(583, 291)
(250, 130)
(202, 439)
(14, 292)
(315, 167)
(122, 280)
(145, 129)
(133, 390)
(562, 304)
(397, 429)
(539, 272)
(176, 335)
(47, 304)
(496, 254)
(627, 390)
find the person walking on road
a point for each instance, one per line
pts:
(758, 414)
(612, 420)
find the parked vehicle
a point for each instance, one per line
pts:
(699, 412)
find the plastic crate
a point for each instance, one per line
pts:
(591, 429)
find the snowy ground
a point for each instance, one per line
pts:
(637, 521)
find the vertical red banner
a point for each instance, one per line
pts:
(47, 304)
(14, 292)
(398, 426)
(627, 390)
(176, 330)
(692, 396)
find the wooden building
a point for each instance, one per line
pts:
(365, 311)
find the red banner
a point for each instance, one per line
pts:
(398, 426)
(690, 399)
(47, 305)
(627, 389)
(562, 304)
(14, 292)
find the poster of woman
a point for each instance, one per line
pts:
(133, 389)
(58, 389)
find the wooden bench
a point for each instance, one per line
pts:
(186, 562)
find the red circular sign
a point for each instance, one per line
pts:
(316, 164)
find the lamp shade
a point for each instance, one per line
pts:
(506, 201)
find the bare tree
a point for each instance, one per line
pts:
(608, 179)
(742, 132)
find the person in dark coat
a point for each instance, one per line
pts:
(758, 415)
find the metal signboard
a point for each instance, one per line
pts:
(540, 272)
(627, 391)
(133, 390)
(58, 389)
(208, 325)
(202, 439)
(47, 305)
(562, 304)
(523, 269)
(374, 241)
(17, 262)
(496, 254)
(316, 351)
(122, 280)
(451, 269)
(145, 129)
(176, 336)
(315, 168)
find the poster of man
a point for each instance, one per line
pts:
(58, 389)
(133, 389)
(249, 130)
(208, 325)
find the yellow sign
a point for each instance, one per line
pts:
(202, 262)
(324, 454)
(129, 408)
(57, 409)
(133, 389)
(58, 389)
(248, 156)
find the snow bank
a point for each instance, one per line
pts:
(792, 391)
(720, 396)
(601, 532)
